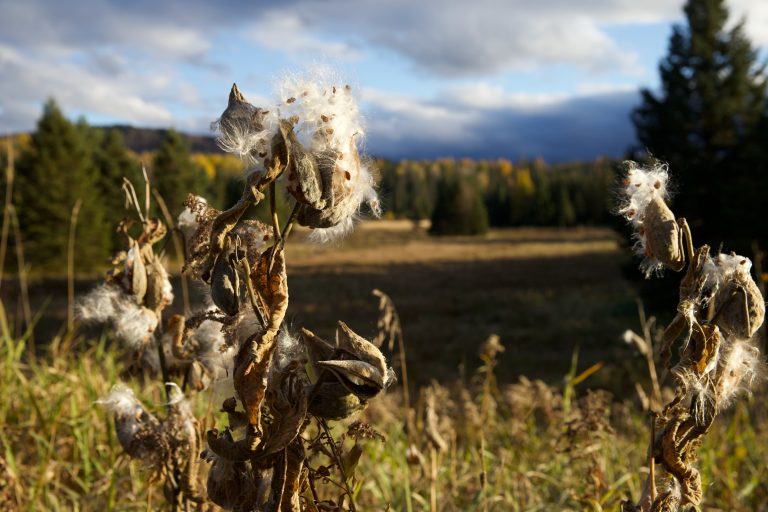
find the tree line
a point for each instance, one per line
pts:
(467, 196)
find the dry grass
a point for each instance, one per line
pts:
(512, 445)
(59, 452)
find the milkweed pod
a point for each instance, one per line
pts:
(333, 401)
(738, 305)
(362, 349)
(136, 428)
(360, 378)
(159, 291)
(303, 171)
(241, 127)
(742, 309)
(706, 343)
(137, 273)
(229, 484)
(225, 283)
(662, 235)
(317, 348)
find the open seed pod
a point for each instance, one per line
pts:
(159, 290)
(137, 429)
(344, 381)
(287, 403)
(349, 189)
(369, 377)
(225, 280)
(333, 401)
(136, 273)
(242, 127)
(663, 239)
(230, 484)
(739, 308)
(705, 345)
(307, 179)
(355, 362)
(360, 378)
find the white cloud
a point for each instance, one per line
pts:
(755, 14)
(286, 32)
(36, 77)
(454, 38)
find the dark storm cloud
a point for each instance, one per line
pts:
(576, 128)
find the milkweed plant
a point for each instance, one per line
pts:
(719, 313)
(277, 450)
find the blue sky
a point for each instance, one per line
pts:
(481, 78)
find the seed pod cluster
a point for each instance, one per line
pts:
(260, 461)
(135, 292)
(311, 135)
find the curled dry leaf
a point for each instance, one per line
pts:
(253, 359)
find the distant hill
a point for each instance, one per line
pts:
(140, 140)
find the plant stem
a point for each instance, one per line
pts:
(9, 172)
(177, 245)
(339, 463)
(71, 266)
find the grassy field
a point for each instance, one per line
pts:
(543, 291)
(511, 442)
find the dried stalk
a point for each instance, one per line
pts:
(9, 176)
(71, 266)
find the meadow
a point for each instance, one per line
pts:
(551, 422)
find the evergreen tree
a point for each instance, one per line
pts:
(566, 213)
(543, 208)
(113, 162)
(703, 121)
(419, 201)
(459, 209)
(54, 172)
(174, 174)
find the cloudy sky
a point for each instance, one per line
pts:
(480, 78)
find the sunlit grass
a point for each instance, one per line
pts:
(60, 452)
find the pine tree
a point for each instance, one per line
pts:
(174, 174)
(543, 207)
(114, 163)
(459, 209)
(54, 172)
(566, 212)
(703, 122)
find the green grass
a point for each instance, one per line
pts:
(540, 450)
